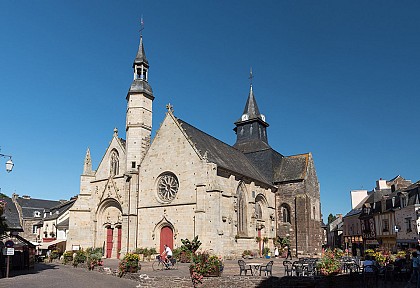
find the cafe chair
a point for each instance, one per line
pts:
(267, 269)
(243, 267)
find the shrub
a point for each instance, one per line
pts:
(265, 251)
(55, 254)
(68, 257)
(80, 257)
(246, 253)
(94, 257)
(190, 246)
(181, 255)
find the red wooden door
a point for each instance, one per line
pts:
(119, 242)
(166, 237)
(109, 242)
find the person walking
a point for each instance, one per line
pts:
(276, 252)
(415, 262)
(289, 253)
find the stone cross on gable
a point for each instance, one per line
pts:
(170, 108)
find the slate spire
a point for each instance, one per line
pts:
(141, 55)
(251, 127)
(141, 72)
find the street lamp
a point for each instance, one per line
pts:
(9, 163)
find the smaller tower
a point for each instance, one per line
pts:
(139, 111)
(251, 127)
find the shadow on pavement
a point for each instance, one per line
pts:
(38, 268)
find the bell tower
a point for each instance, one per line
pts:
(139, 111)
(251, 128)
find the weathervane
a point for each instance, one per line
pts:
(250, 76)
(141, 26)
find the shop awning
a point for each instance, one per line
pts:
(46, 245)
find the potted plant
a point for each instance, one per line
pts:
(130, 263)
(205, 265)
(140, 252)
(329, 263)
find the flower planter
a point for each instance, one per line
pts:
(213, 274)
(132, 269)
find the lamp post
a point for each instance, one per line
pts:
(9, 163)
(9, 167)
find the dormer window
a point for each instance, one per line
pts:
(244, 117)
(37, 214)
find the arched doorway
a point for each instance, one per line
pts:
(109, 231)
(166, 237)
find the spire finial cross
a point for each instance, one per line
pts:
(250, 76)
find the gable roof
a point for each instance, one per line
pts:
(222, 154)
(291, 168)
(30, 205)
(59, 210)
(10, 214)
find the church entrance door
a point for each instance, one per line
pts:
(166, 237)
(259, 243)
(109, 235)
(119, 242)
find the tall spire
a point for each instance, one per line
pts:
(141, 70)
(141, 55)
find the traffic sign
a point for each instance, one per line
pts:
(9, 244)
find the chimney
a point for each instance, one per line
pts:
(381, 184)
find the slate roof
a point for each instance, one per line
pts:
(291, 168)
(222, 154)
(64, 224)
(30, 205)
(58, 210)
(10, 214)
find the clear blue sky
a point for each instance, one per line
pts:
(339, 79)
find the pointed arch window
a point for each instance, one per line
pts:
(285, 213)
(242, 215)
(115, 163)
(260, 202)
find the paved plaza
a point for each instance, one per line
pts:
(58, 275)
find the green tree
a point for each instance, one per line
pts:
(331, 218)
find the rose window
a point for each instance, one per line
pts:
(167, 187)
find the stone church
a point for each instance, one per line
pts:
(183, 182)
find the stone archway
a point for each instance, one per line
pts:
(109, 227)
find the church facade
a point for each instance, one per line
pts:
(147, 193)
